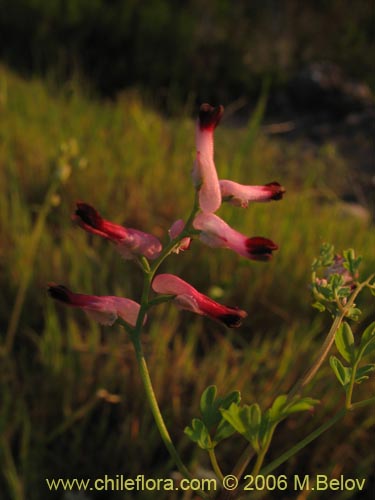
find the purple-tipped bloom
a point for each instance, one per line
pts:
(104, 309)
(241, 195)
(204, 174)
(129, 242)
(216, 233)
(188, 298)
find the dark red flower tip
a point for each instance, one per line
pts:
(88, 215)
(210, 116)
(260, 248)
(233, 320)
(277, 190)
(60, 292)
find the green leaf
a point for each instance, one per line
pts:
(207, 408)
(303, 404)
(351, 263)
(199, 434)
(327, 253)
(364, 372)
(335, 281)
(368, 334)
(275, 413)
(224, 430)
(210, 405)
(226, 401)
(264, 428)
(344, 340)
(367, 344)
(354, 313)
(343, 373)
(282, 407)
(245, 421)
(319, 306)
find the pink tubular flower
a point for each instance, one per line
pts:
(204, 174)
(216, 233)
(187, 297)
(129, 242)
(104, 309)
(240, 195)
(176, 229)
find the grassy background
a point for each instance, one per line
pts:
(134, 166)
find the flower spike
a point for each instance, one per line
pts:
(188, 298)
(204, 174)
(240, 195)
(216, 233)
(129, 242)
(104, 309)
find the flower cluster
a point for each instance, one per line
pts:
(211, 229)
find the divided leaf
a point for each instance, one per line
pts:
(351, 263)
(282, 407)
(199, 434)
(345, 343)
(343, 373)
(367, 344)
(245, 421)
(210, 405)
(363, 373)
(212, 421)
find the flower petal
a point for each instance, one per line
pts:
(129, 242)
(104, 309)
(188, 298)
(260, 248)
(170, 284)
(205, 171)
(218, 234)
(240, 195)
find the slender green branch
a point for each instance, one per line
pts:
(299, 446)
(327, 344)
(349, 392)
(362, 404)
(263, 451)
(215, 465)
(150, 394)
(243, 461)
(323, 352)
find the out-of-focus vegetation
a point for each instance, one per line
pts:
(216, 50)
(71, 399)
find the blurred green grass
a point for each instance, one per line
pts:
(52, 420)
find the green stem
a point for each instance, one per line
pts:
(327, 344)
(314, 435)
(215, 465)
(149, 272)
(323, 352)
(299, 446)
(150, 394)
(262, 453)
(363, 403)
(349, 392)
